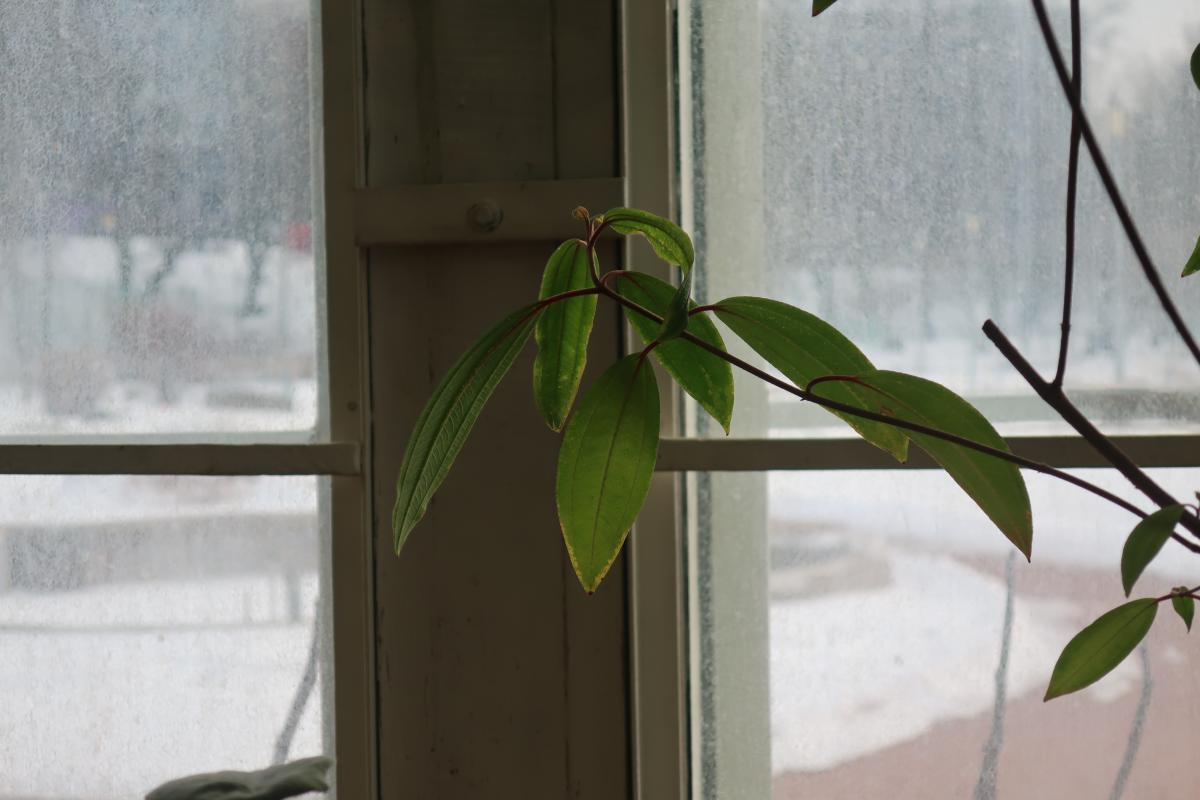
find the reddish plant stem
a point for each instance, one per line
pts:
(895, 422)
(808, 387)
(554, 298)
(1189, 593)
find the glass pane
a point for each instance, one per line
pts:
(905, 650)
(912, 185)
(156, 219)
(156, 627)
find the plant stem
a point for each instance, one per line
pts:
(1072, 187)
(895, 422)
(1057, 400)
(554, 298)
(1110, 184)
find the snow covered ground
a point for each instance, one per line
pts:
(894, 656)
(892, 661)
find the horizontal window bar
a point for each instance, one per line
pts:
(456, 213)
(755, 455)
(338, 458)
(675, 455)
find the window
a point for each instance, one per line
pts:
(180, 540)
(900, 171)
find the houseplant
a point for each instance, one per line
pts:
(610, 440)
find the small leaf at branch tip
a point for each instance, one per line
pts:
(1184, 605)
(1144, 543)
(1196, 66)
(1097, 649)
(670, 242)
(580, 213)
(1193, 264)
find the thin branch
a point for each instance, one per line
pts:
(555, 298)
(1057, 399)
(1072, 187)
(1110, 185)
(896, 422)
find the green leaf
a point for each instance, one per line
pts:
(562, 333)
(675, 321)
(708, 379)
(1145, 541)
(1196, 66)
(449, 415)
(804, 347)
(1193, 264)
(821, 5)
(1185, 607)
(605, 465)
(996, 486)
(670, 241)
(1100, 647)
(273, 783)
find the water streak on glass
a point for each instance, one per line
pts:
(152, 628)
(156, 219)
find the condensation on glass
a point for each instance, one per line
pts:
(153, 627)
(912, 185)
(909, 646)
(157, 219)
(898, 167)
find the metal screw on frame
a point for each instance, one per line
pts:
(485, 216)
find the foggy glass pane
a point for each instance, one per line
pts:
(886, 605)
(913, 186)
(153, 627)
(157, 218)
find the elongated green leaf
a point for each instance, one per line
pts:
(675, 321)
(1145, 541)
(1185, 607)
(996, 486)
(448, 417)
(670, 241)
(273, 783)
(605, 465)
(821, 5)
(1100, 647)
(562, 333)
(804, 347)
(1196, 66)
(708, 379)
(1193, 264)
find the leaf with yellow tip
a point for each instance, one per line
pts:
(605, 465)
